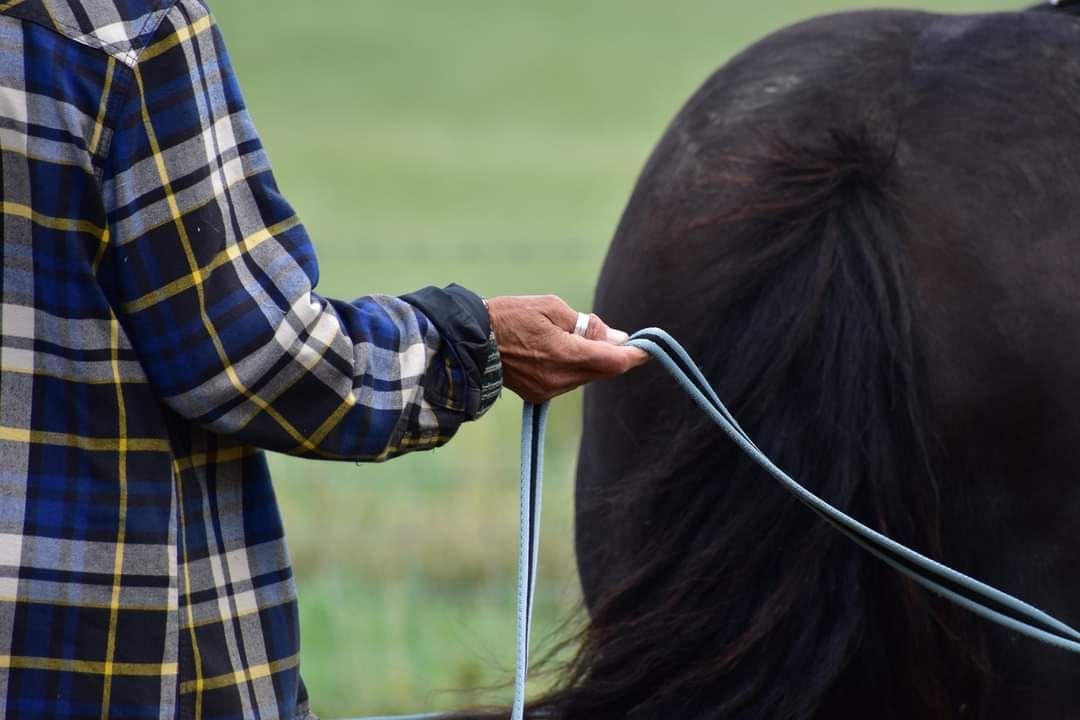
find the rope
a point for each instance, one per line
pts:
(967, 592)
(533, 423)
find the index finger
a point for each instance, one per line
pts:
(603, 358)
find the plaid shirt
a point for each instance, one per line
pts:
(159, 325)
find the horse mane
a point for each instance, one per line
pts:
(732, 600)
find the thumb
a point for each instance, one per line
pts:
(635, 355)
(616, 337)
(597, 329)
(605, 358)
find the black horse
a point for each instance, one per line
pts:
(866, 229)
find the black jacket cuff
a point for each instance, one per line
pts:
(463, 323)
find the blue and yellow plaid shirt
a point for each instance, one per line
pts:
(160, 327)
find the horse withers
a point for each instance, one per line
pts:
(864, 228)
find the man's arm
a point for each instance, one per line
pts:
(215, 276)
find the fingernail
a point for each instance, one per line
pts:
(617, 337)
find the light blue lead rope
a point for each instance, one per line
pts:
(968, 592)
(533, 424)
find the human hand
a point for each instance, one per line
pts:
(541, 355)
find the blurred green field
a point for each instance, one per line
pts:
(491, 143)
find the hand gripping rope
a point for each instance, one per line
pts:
(967, 592)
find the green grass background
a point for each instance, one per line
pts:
(491, 143)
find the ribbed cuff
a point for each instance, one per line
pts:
(491, 386)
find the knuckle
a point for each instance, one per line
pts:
(619, 364)
(558, 304)
(596, 330)
(531, 394)
(538, 391)
(554, 386)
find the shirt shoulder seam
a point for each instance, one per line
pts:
(123, 93)
(127, 52)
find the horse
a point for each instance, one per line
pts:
(864, 229)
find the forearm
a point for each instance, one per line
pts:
(363, 380)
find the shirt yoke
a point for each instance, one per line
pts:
(120, 28)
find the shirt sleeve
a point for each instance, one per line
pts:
(215, 277)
